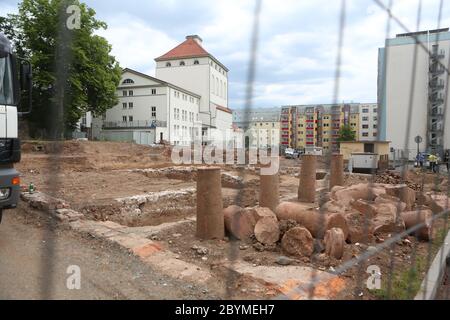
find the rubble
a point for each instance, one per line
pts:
(390, 177)
(360, 227)
(404, 193)
(284, 261)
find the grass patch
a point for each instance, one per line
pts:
(407, 281)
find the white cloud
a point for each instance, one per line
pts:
(135, 44)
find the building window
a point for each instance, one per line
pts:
(128, 81)
(130, 118)
(153, 91)
(153, 112)
(365, 118)
(365, 126)
(182, 63)
(365, 111)
(124, 105)
(131, 93)
(168, 64)
(365, 134)
(196, 62)
(375, 126)
(130, 105)
(125, 93)
(124, 118)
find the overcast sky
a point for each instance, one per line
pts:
(298, 41)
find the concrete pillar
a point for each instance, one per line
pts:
(337, 170)
(307, 187)
(269, 191)
(210, 220)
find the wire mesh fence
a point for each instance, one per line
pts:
(396, 278)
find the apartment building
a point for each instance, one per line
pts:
(368, 119)
(307, 126)
(409, 109)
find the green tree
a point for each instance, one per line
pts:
(73, 68)
(346, 133)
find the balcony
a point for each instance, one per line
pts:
(141, 124)
(437, 71)
(438, 55)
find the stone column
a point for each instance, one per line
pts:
(269, 191)
(337, 170)
(307, 187)
(210, 220)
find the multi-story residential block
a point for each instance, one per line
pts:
(261, 127)
(412, 89)
(288, 121)
(308, 126)
(368, 118)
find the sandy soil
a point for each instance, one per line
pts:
(91, 175)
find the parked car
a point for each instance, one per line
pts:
(291, 153)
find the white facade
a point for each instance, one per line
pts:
(151, 111)
(205, 76)
(368, 122)
(403, 104)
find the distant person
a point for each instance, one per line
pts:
(420, 159)
(433, 162)
(447, 160)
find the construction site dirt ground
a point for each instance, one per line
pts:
(102, 180)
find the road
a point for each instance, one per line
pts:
(35, 255)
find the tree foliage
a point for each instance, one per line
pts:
(73, 68)
(346, 133)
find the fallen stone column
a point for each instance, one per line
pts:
(299, 242)
(413, 218)
(210, 219)
(315, 221)
(334, 243)
(307, 186)
(337, 170)
(269, 191)
(267, 231)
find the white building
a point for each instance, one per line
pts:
(191, 67)
(424, 102)
(261, 127)
(187, 101)
(368, 122)
(150, 111)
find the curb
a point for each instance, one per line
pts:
(435, 274)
